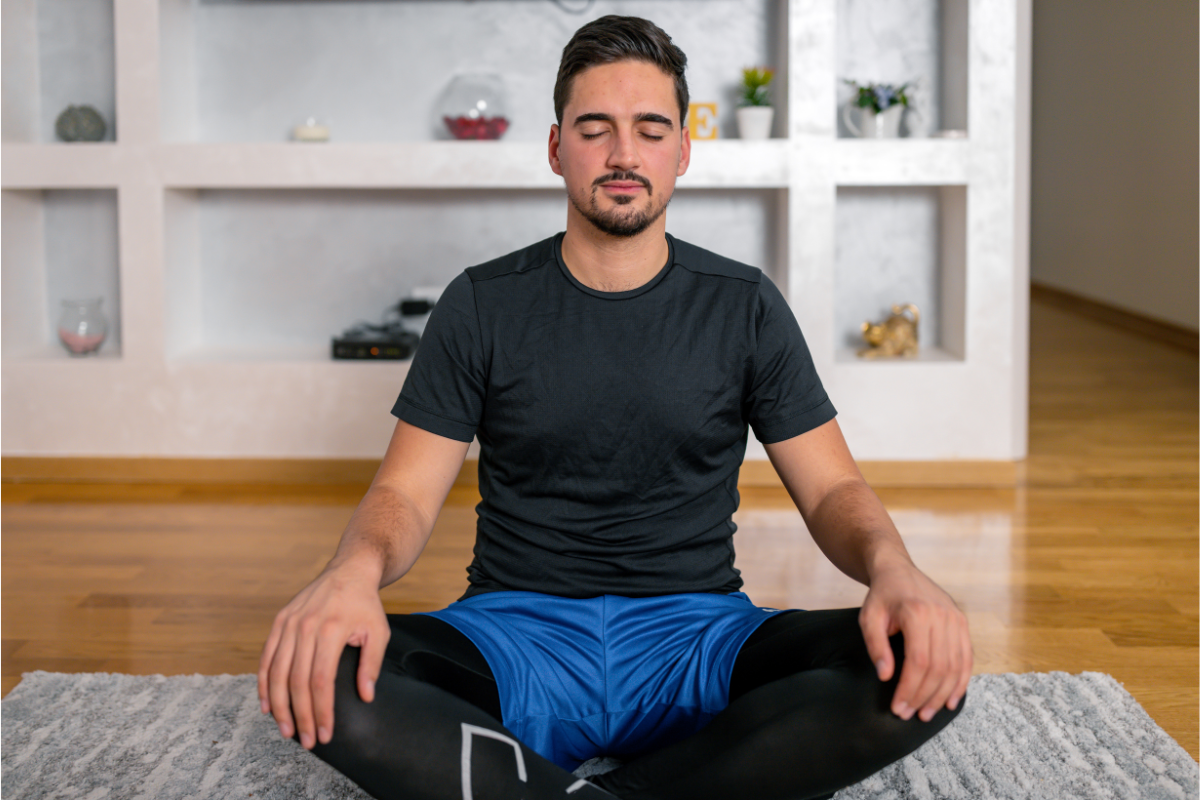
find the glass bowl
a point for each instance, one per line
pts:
(472, 107)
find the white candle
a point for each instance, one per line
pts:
(310, 131)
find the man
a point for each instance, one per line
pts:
(611, 373)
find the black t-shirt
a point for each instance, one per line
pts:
(611, 425)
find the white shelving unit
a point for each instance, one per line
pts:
(235, 254)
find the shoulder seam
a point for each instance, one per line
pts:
(530, 268)
(723, 267)
(751, 278)
(472, 271)
(478, 324)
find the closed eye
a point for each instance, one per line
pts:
(594, 135)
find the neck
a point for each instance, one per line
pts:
(613, 263)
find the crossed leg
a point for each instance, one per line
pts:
(807, 716)
(433, 731)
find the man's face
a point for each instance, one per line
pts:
(621, 145)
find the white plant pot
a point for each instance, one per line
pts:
(884, 125)
(754, 122)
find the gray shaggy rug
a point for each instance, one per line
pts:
(92, 736)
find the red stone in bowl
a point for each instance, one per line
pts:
(476, 128)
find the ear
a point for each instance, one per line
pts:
(685, 152)
(555, 141)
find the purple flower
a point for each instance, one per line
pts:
(879, 96)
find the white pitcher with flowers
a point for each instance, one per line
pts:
(880, 109)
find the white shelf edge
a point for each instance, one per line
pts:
(847, 357)
(736, 163)
(57, 354)
(305, 355)
(716, 164)
(78, 165)
(901, 162)
(729, 163)
(432, 165)
(435, 165)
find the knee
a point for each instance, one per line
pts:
(345, 684)
(349, 709)
(897, 643)
(346, 680)
(352, 722)
(888, 688)
(944, 715)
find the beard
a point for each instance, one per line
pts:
(625, 220)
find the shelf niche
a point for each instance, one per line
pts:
(897, 245)
(375, 72)
(884, 41)
(55, 54)
(272, 274)
(58, 244)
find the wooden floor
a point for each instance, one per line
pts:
(1090, 565)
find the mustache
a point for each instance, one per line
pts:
(627, 177)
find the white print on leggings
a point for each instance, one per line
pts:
(468, 733)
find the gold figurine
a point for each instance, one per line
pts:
(895, 337)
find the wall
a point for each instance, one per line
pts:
(236, 254)
(1114, 173)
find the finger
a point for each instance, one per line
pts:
(946, 655)
(935, 670)
(967, 667)
(279, 692)
(874, 624)
(264, 666)
(912, 673)
(300, 685)
(327, 657)
(370, 661)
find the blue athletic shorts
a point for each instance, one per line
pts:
(612, 676)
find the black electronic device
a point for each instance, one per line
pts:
(390, 340)
(380, 343)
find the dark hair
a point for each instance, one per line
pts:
(613, 38)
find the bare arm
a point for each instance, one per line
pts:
(852, 528)
(392, 524)
(341, 606)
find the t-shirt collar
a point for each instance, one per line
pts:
(645, 287)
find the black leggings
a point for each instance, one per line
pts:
(807, 716)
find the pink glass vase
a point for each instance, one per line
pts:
(82, 326)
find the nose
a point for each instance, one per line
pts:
(624, 153)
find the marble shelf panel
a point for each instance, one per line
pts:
(901, 162)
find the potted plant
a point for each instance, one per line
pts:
(881, 105)
(754, 114)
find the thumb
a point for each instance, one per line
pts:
(874, 624)
(370, 662)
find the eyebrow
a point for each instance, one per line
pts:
(645, 116)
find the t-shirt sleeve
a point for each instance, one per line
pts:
(785, 397)
(447, 380)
